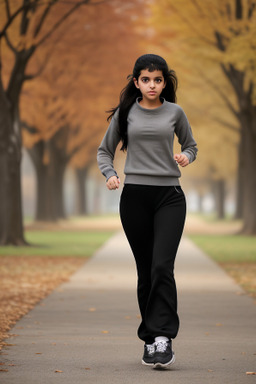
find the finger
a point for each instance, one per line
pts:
(116, 183)
(184, 163)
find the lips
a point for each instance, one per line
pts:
(151, 93)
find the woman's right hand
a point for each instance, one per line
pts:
(113, 183)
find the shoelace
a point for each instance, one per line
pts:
(151, 349)
(161, 346)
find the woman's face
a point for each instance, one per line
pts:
(150, 84)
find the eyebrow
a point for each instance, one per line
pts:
(157, 77)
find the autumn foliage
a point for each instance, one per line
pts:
(60, 69)
(212, 43)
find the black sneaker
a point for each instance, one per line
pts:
(149, 354)
(164, 356)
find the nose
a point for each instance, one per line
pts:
(152, 84)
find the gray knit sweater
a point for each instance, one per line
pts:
(151, 132)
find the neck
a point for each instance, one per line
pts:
(150, 104)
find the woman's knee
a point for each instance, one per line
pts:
(161, 271)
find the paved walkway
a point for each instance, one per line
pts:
(85, 331)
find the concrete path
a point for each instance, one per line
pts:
(85, 331)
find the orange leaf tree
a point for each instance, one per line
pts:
(25, 26)
(222, 33)
(65, 123)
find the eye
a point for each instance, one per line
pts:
(144, 80)
(158, 81)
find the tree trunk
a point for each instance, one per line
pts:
(50, 176)
(247, 154)
(44, 202)
(57, 171)
(200, 202)
(249, 198)
(219, 193)
(240, 182)
(45, 210)
(81, 174)
(11, 224)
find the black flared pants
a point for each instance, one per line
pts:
(153, 219)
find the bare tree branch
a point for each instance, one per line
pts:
(24, 19)
(16, 13)
(251, 9)
(89, 3)
(226, 124)
(235, 77)
(221, 94)
(220, 41)
(8, 41)
(198, 7)
(41, 68)
(192, 26)
(44, 15)
(59, 22)
(11, 19)
(7, 8)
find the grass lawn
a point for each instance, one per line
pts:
(235, 253)
(59, 243)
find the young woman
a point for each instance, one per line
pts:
(152, 205)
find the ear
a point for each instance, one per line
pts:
(136, 82)
(164, 84)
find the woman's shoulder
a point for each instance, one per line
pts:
(173, 106)
(175, 109)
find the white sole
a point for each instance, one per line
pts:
(148, 364)
(166, 365)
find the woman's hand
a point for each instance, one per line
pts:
(181, 159)
(113, 183)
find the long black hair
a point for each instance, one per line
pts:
(130, 93)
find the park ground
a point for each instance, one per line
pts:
(28, 274)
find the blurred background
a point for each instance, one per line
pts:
(63, 66)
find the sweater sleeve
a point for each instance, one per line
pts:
(107, 148)
(184, 133)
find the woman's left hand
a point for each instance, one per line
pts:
(181, 159)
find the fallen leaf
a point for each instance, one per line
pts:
(127, 317)
(92, 309)
(105, 331)
(58, 371)
(87, 369)
(219, 325)
(38, 353)
(250, 373)
(210, 370)
(4, 370)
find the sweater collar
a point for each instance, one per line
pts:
(149, 110)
